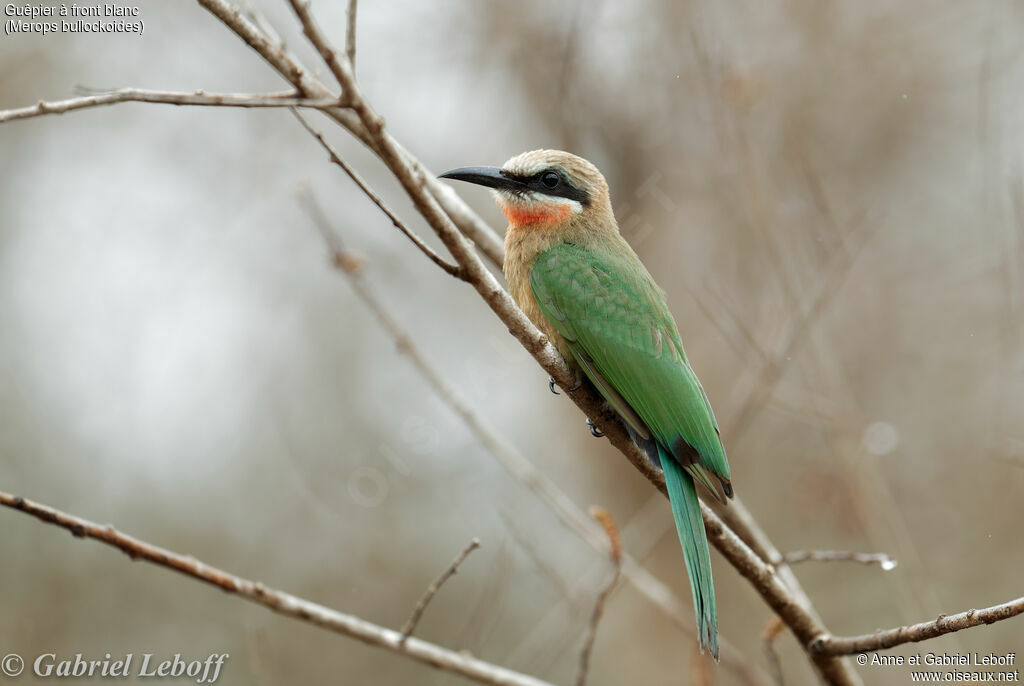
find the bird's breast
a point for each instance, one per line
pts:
(521, 251)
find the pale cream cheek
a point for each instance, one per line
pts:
(534, 208)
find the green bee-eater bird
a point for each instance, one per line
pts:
(577, 279)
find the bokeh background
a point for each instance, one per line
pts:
(831, 195)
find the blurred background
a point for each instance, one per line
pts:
(831, 195)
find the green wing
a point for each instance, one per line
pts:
(618, 327)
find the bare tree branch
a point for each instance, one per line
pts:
(452, 269)
(434, 587)
(615, 553)
(196, 98)
(881, 559)
(278, 601)
(944, 624)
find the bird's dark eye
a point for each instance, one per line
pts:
(550, 179)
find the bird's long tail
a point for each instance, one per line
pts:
(693, 539)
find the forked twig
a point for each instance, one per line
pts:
(434, 587)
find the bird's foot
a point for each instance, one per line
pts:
(594, 431)
(577, 384)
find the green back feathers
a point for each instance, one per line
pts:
(619, 328)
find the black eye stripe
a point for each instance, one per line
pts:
(563, 189)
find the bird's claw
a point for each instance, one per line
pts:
(594, 431)
(576, 386)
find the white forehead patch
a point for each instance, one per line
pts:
(519, 166)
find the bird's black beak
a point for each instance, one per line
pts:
(492, 177)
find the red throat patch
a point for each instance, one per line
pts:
(539, 214)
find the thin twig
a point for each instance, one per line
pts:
(278, 601)
(452, 269)
(615, 541)
(944, 624)
(768, 636)
(350, 34)
(881, 559)
(417, 613)
(195, 98)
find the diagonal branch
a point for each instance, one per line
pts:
(278, 601)
(944, 624)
